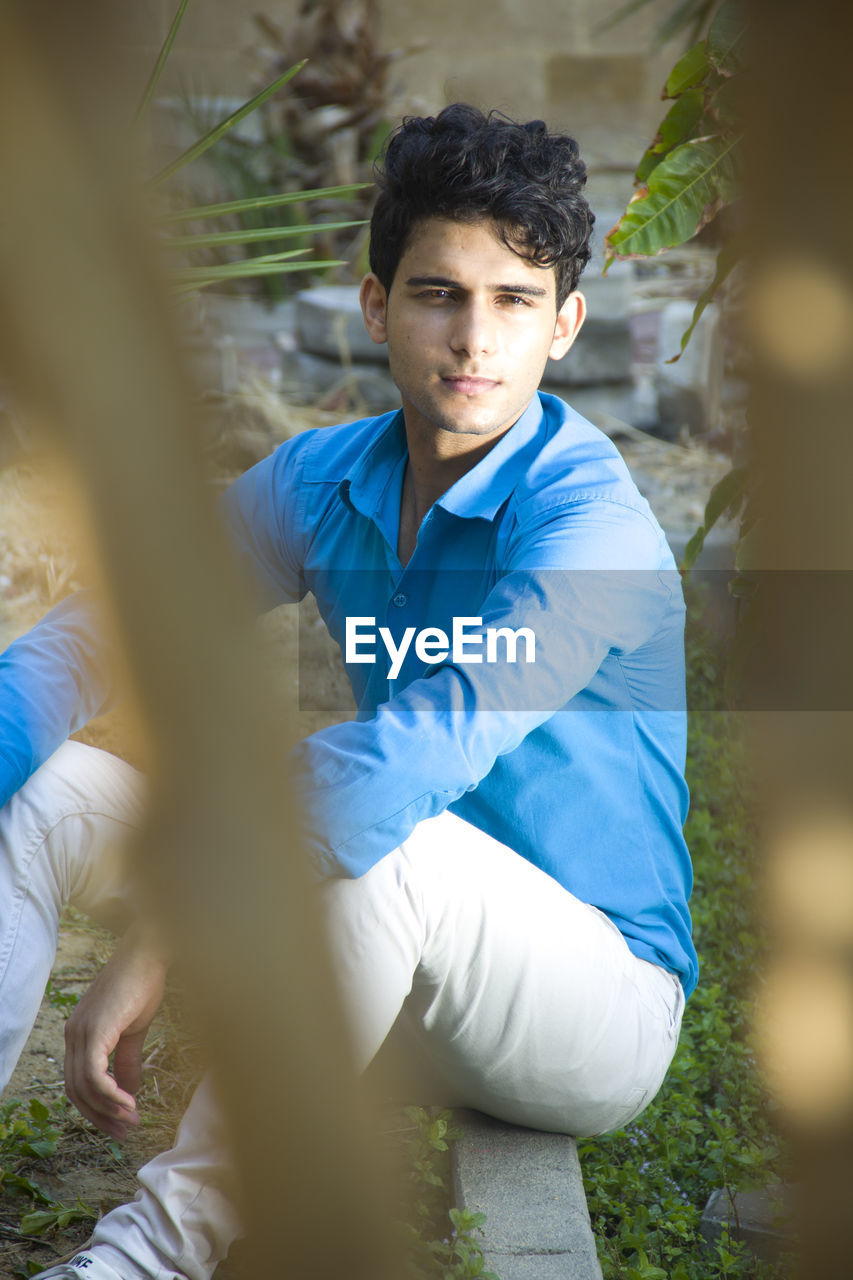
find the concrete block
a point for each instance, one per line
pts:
(245, 320)
(602, 350)
(529, 1185)
(608, 296)
(307, 379)
(601, 353)
(598, 403)
(329, 323)
(762, 1220)
(689, 390)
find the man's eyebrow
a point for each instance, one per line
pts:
(443, 282)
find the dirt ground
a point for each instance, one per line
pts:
(45, 554)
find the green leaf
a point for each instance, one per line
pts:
(726, 495)
(684, 192)
(26, 1186)
(219, 130)
(58, 1215)
(726, 105)
(679, 124)
(747, 549)
(254, 236)
(727, 259)
(154, 78)
(40, 1148)
(690, 70)
(267, 260)
(727, 38)
(39, 1112)
(259, 202)
(36, 1223)
(192, 278)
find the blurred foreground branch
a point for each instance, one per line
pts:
(801, 307)
(85, 341)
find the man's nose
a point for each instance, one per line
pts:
(473, 329)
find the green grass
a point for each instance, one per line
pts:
(438, 1240)
(709, 1127)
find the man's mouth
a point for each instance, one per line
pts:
(466, 384)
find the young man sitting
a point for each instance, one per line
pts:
(500, 828)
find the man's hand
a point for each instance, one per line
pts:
(114, 1014)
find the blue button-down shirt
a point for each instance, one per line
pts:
(574, 759)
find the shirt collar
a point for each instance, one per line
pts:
(483, 490)
(480, 492)
(367, 484)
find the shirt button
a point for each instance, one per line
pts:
(400, 599)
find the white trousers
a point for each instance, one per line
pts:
(518, 999)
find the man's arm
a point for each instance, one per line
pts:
(59, 674)
(53, 680)
(365, 785)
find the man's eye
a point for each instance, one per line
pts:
(516, 300)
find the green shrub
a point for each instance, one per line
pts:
(438, 1241)
(709, 1127)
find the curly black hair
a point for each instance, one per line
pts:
(466, 166)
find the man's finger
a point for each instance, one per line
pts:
(96, 1095)
(127, 1063)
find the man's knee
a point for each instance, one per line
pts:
(65, 832)
(82, 779)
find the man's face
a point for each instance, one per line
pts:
(469, 326)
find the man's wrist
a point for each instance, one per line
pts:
(146, 938)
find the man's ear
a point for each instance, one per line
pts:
(374, 307)
(570, 317)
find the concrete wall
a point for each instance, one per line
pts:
(530, 58)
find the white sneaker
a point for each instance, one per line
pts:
(83, 1266)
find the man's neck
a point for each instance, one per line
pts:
(436, 461)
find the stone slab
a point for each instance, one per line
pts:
(529, 1185)
(329, 323)
(601, 354)
(608, 296)
(243, 319)
(614, 399)
(762, 1220)
(307, 379)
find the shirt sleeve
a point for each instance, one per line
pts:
(58, 676)
(364, 785)
(53, 680)
(262, 512)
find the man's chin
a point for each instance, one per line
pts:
(464, 420)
